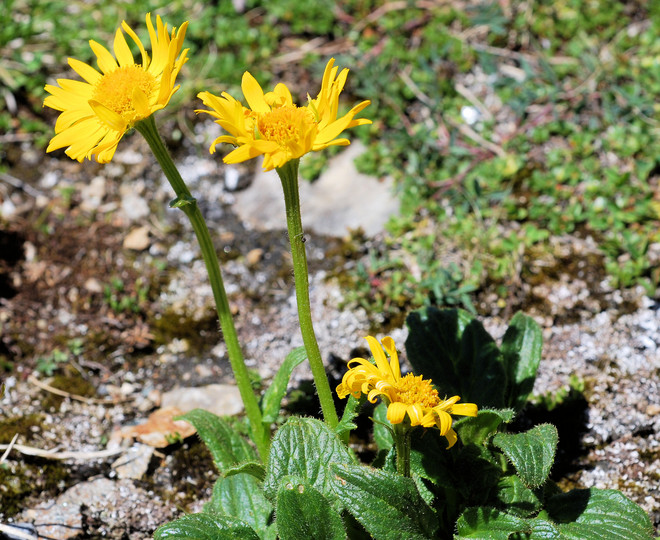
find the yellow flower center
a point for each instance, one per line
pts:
(115, 90)
(413, 390)
(286, 124)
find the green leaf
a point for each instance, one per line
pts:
(544, 530)
(521, 349)
(241, 497)
(273, 396)
(387, 505)
(477, 429)
(593, 514)
(303, 512)
(253, 468)
(205, 527)
(351, 410)
(227, 446)
(517, 498)
(433, 345)
(454, 350)
(532, 453)
(382, 432)
(304, 447)
(483, 522)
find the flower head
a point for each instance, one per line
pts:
(96, 113)
(410, 395)
(277, 128)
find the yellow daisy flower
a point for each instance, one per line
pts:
(277, 128)
(96, 113)
(411, 396)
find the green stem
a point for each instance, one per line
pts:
(289, 176)
(402, 436)
(185, 201)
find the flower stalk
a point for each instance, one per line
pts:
(185, 201)
(288, 174)
(402, 441)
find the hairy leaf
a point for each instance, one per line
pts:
(387, 505)
(205, 527)
(227, 446)
(532, 453)
(273, 396)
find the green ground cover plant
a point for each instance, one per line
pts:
(571, 147)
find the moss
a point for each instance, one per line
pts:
(201, 334)
(73, 383)
(19, 481)
(23, 425)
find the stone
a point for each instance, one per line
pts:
(134, 462)
(100, 508)
(137, 239)
(220, 399)
(341, 199)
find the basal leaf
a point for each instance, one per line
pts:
(517, 498)
(593, 514)
(433, 345)
(273, 396)
(303, 512)
(521, 349)
(454, 350)
(205, 527)
(477, 429)
(387, 505)
(253, 468)
(483, 522)
(241, 497)
(304, 447)
(532, 453)
(227, 446)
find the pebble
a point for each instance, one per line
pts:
(137, 239)
(220, 399)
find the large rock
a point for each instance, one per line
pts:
(341, 199)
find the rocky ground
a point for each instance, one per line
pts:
(95, 266)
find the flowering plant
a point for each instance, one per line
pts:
(432, 476)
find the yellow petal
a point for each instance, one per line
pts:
(396, 412)
(86, 71)
(390, 348)
(105, 60)
(443, 421)
(136, 39)
(451, 438)
(242, 153)
(465, 409)
(122, 52)
(108, 117)
(253, 93)
(379, 356)
(141, 103)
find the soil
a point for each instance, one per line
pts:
(93, 314)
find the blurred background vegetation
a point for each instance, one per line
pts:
(507, 126)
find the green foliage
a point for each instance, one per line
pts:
(303, 512)
(206, 527)
(387, 505)
(121, 300)
(226, 445)
(274, 394)
(48, 364)
(454, 350)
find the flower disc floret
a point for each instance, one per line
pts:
(409, 397)
(273, 126)
(96, 112)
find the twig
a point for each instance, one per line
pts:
(16, 532)
(469, 95)
(32, 379)
(9, 447)
(19, 184)
(488, 145)
(49, 454)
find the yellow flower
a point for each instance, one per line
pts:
(277, 128)
(411, 396)
(96, 113)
